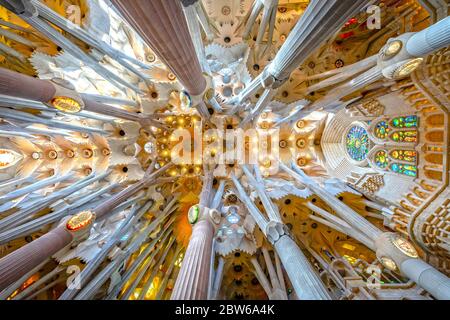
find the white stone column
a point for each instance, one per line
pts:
(193, 279)
(258, 185)
(397, 253)
(268, 20)
(259, 273)
(305, 280)
(427, 277)
(430, 39)
(162, 25)
(256, 9)
(391, 249)
(333, 97)
(204, 20)
(190, 11)
(261, 105)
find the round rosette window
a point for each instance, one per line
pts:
(357, 143)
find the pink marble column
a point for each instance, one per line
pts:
(23, 260)
(100, 108)
(193, 279)
(162, 25)
(18, 263)
(22, 86)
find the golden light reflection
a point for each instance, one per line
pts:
(8, 158)
(151, 293)
(66, 104)
(80, 220)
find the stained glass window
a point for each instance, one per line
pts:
(405, 122)
(405, 136)
(404, 155)
(382, 130)
(405, 169)
(381, 159)
(358, 143)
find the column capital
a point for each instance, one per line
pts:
(65, 98)
(269, 81)
(199, 213)
(392, 250)
(79, 225)
(188, 100)
(275, 230)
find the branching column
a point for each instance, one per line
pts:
(321, 20)
(361, 81)
(20, 262)
(193, 279)
(306, 282)
(393, 251)
(23, 260)
(419, 44)
(23, 86)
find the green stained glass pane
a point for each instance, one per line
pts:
(381, 159)
(405, 122)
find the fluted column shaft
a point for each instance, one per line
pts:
(196, 34)
(304, 279)
(430, 39)
(341, 74)
(290, 254)
(192, 281)
(23, 86)
(406, 259)
(19, 85)
(18, 263)
(427, 277)
(100, 108)
(321, 20)
(256, 9)
(361, 81)
(162, 25)
(261, 276)
(414, 268)
(348, 214)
